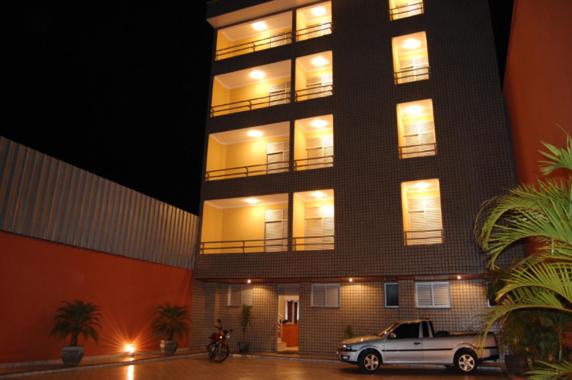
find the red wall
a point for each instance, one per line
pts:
(538, 79)
(35, 276)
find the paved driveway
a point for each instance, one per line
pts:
(199, 368)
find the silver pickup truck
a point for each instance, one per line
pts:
(416, 342)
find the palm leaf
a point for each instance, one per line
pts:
(551, 371)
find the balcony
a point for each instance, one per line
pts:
(410, 58)
(248, 152)
(399, 9)
(314, 143)
(416, 129)
(313, 221)
(314, 21)
(261, 34)
(250, 89)
(422, 221)
(245, 225)
(314, 76)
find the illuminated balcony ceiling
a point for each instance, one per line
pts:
(246, 31)
(240, 202)
(239, 135)
(242, 78)
(307, 124)
(256, 11)
(308, 66)
(308, 196)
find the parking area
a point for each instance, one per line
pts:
(198, 368)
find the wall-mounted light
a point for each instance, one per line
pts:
(129, 349)
(249, 281)
(259, 26)
(351, 280)
(458, 277)
(257, 74)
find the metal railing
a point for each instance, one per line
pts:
(302, 243)
(272, 99)
(408, 10)
(314, 163)
(420, 150)
(253, 46)
(411, 74)
(314, 31)
(315, 91)
(313, 243)
(248, 170)
(244, 246)
(422, 237)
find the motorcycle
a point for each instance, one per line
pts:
(218, 350)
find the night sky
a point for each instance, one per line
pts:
(122, 91)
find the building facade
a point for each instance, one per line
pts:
(349, 146)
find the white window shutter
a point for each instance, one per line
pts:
(441, 294)
(423, 294)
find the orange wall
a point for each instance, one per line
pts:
(35, 276)
(538, 78)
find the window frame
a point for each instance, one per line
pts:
(433, 306)
(385, 285)
(325, 286)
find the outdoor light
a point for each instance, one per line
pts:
(257, 74)
(414, 110)
(249, 281)
(129, 349)
(254, 133)
(318, 194)
(259, 26)
(319, 61)
(351, 280)
(252, 201)
(458, 277)
(318, 11)
(411, 43)
(319, 123)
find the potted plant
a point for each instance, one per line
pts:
(170, 321)
(75, 318)
(349, 332)
(245, 321)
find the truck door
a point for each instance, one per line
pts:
(404, 345)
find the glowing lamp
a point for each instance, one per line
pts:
(257, 74)
(254, 133)
(252, 201)
(411, 43)
(318, 194)
(318, 11)
(319, 61)
(129, 349)
(259, 26)
(319, 123)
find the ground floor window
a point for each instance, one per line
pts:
(239, 295)
(325, 295)
(391, 294)
(435, 294)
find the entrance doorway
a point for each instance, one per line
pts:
(288, 317)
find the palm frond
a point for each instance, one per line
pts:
(551, 371)
(557, 158)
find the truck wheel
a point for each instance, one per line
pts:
(369, 361)
(466, 361)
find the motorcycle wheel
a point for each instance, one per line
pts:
(221, 353)
(211, 350)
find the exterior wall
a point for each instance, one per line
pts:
(537, 80)
(36, 276)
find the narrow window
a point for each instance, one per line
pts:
(325, 295)
(404, 8)
(410, 58)
(433, 295)
(391, 291)
(421, 203)
(416, 129)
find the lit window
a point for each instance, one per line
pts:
(416, 129)
(410, 58)
(421, 202)
(313, 225)
(314, 21)
(314, 76)
(433, 295)
(391, 294)
(325, 295)
(404, 8)
(314, 143)
(239, 295)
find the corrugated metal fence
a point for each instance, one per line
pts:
(46, 198)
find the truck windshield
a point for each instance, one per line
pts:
(387, 329)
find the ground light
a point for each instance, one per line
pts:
(129, 349)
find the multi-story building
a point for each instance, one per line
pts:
(349, 147)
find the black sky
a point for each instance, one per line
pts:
(122, 91)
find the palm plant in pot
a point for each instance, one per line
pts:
(74, 319)
(171, 321)
(245, 321)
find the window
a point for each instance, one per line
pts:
(239, 295)
(416, 129)
(410, 58)
(314, 76)
(325, 295)
(314, 21)
(404, 8)
(313, 227)
(391, 292)
(432, 295)
(314, 143)
(407, 331)
(421, 203)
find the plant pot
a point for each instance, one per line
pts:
(71, 355)
(516, 364)
(169, 347)
(243, 347)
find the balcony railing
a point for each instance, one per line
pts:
(423, 237)
(244, 246)
(314, 163)
(315, 91)
(272, 99)
(248, 170)
(411, 74)
(254, 46)
(314, 31)
(305, 243)
(408, 10)
(421, 150)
